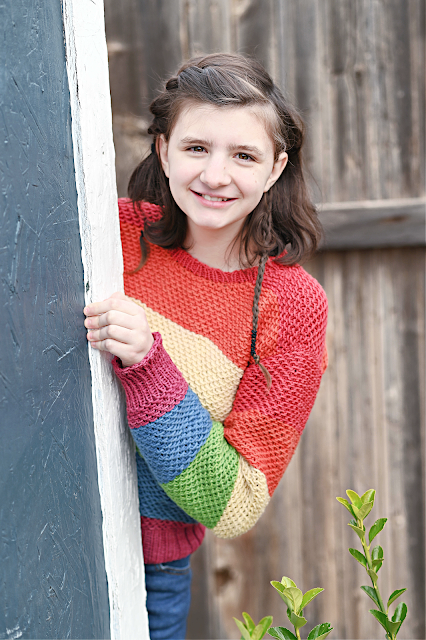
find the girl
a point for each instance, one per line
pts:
(219, 342)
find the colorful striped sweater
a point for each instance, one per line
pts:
(212, 440)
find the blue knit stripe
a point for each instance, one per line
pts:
(153, 500)
(171, 443)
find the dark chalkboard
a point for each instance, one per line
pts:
(52, 580)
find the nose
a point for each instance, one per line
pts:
(215, 173)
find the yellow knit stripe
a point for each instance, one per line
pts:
(246, 504)
(209, 373)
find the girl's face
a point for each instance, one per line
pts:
(219, 162)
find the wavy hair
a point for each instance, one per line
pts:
(285, 223)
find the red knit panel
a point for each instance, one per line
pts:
(266, 443)
(139, 214)
(165, 540)
(303, 308)
(296, 379)
(153, 386)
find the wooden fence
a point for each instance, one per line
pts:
(355, 69)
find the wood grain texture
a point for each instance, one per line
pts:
(374, 223)
(354, 69)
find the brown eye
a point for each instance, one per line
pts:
(197, 149)
(244, 156)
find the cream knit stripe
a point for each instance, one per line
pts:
(246, 504)
(209, 373)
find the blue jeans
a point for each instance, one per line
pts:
(168, 588)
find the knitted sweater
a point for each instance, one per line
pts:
(212, 441)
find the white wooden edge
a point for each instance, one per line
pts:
(87, 67)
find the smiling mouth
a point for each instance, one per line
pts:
(212, 198)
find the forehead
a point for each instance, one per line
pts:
(243, 125)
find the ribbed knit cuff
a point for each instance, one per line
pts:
(153, 387)
(165, 541)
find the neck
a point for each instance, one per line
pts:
(214, 247)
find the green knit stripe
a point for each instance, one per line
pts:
(204, 488)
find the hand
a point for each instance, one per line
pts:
(119, 326)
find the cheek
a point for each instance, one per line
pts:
(180, 175)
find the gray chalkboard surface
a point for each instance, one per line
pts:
(52, 579)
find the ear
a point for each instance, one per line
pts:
(162, 150)
(277, 170)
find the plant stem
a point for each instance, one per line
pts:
(297, 633)
(370, 566)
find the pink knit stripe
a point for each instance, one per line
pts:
(153, 387)
(166, 540)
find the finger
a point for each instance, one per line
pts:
(112, 303)
(114, 317)
(120, 334)
(111, 346)
(127, 353)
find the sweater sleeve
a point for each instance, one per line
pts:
(222, 474)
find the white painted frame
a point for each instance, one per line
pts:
(94, 160)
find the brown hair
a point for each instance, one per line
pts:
(285, 218)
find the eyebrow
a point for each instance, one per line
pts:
(233, 147)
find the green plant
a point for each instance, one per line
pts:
(250, 631)
(296, 602)
(359, 507)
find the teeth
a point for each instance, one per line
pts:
(213, 199)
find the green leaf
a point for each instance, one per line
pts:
(368, 496)
(354, 498)
(295, 596)
(393, 596)
(400, 613)
(287, 582)
(320, 632)
(377, 553)
(376, 528)
(297, 621)
(310, 595)
(377, 557)
(249, 621)
(373, 575)
(393, 627)
(359, 556)
(360, 532)
(281, 588)
(281, 633)
(390, 626)
(372, 594)
(244, 632)
(346, 504)
(363, 511)
(380, 617)
(261, 628)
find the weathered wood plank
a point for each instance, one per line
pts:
(374, 223)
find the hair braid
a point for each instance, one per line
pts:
(267, 231)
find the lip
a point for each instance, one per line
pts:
(211, 203)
